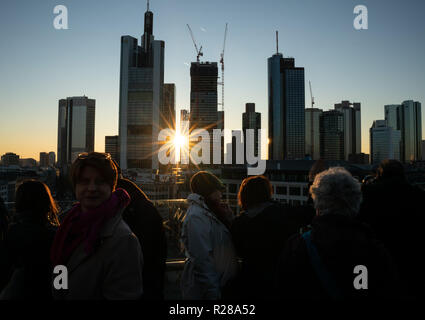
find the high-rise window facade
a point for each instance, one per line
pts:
(251, 120)
(286, 109)
(168, 111)
(76, 124)
(111, 147)
(141, 99)
(352, 127)
(332, 135)
(203, 99)
(312, 132)
(384, 142)
(407, 118)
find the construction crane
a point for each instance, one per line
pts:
(198, 52)
(222, 69)
(311, 94)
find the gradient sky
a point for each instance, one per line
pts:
(40, 65)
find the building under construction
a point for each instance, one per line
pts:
(203, 98)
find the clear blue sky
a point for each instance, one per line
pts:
(40, 65)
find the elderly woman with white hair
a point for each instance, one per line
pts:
(338, 257)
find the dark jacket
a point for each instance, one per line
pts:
(395, 210)
(342, 243)
(4, 220)
(145, 222)
(259, 235)
(4, 265)
(27, 253)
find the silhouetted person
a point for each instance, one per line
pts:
(317, 167)
(28, 241)
(259, 234)
(320, 263)
(4, 219)
(103, 257)
(211, 259)
(144, 220)
(396, 210)
(4, 225)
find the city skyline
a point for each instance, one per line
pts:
(341, 62)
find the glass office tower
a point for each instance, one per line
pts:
(286, 109)
(141, 98)
(407, 118)
(332, 135)
(384, 142)
(203, 101)
(352, 127)
(251, 120)
(76, 118)
(312, 132)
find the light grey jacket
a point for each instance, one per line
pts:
(113, 271)
(211, 258)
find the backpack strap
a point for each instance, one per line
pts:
(326, 279)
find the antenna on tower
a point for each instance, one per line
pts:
(277, 42)
(148, 5)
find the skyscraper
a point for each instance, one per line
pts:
(312, 132)
(384, 142)
(407, 118)
(423, 149)
(141, 85)
(236, 147)
(111, 147)
(75, 128)
(391, 116)
(203, 99)
(332, 135)
(411, 130)
(44, 159)
(52, 159)
(220, 125)
(251, 120)
(184, 131)
(352, 127)
(286, 109)
(168, 110)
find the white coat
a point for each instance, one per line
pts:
(211, 258)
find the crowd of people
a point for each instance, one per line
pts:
(113, 245)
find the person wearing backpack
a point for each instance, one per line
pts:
(338, 258)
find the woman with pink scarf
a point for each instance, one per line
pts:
(102, 256)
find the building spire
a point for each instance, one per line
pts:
(147, 37)
(277, 42)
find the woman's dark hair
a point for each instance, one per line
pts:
(254, 190)
(34, 197)
(100, 161)
(390, 169)
(205, 183)
(317, 167)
